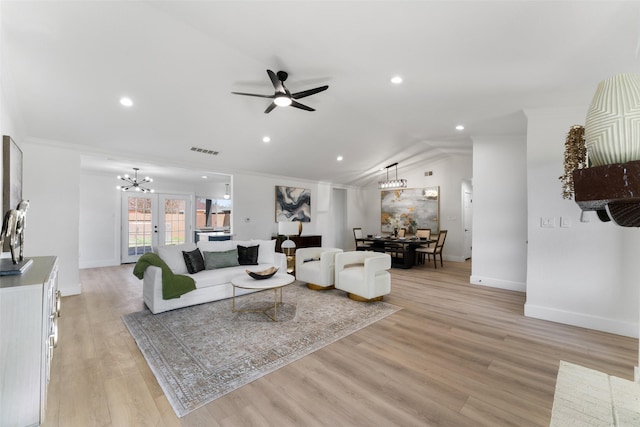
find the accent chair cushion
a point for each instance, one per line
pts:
(248, 255)
(221, 259)
(193, 260)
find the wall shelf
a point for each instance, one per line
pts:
(613, 191)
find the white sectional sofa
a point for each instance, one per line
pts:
(211, 285)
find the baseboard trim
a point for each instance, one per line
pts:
(70, 289)
(612, 326)
(498, 283)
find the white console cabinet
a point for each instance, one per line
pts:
(29, 310)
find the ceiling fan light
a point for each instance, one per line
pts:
(282, 101)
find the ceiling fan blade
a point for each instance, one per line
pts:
(270, 108)
(308, 92)
(277, 84)
(253, 94)
(301, 106)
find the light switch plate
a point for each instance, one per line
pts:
(547, 222)
(565, 222)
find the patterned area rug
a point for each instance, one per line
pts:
(202, 352)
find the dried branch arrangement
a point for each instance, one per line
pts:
(575, 157)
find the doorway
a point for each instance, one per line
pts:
(152, 220)
(467, 217)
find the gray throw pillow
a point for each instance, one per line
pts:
(213, 260)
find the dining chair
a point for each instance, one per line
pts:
(434, 250)
(422, 233)
(360, 245)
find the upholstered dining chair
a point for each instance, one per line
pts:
(422, 233)
(434, 250)
(360, 245)
(316, 266)
(363, 275)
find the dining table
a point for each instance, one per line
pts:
(401, 249)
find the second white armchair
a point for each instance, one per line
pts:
(316, 266)
(363, 274)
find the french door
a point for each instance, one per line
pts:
(152, 220)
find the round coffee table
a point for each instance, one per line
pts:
(277, 282)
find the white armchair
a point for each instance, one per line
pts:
(363, 274)
(316, 266)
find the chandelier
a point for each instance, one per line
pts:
(392, 183)
(133, 183)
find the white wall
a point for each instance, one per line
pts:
(583, 274)
(51, 184)
(499, 212)
(99, 221)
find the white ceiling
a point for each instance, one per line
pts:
(65, 65)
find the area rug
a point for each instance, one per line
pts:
(202, 352)
(586, 397)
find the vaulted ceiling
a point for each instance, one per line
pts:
(66, 64)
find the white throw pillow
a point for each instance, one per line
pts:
(266, 251)
(172, 255)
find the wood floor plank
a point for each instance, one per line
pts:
(455, 355)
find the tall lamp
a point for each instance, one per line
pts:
(288, 228)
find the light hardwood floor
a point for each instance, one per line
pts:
(456, 355)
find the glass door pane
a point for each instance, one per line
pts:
(138, 225)
(176, 224)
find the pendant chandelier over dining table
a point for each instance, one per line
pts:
(133, 184)
(393, 183)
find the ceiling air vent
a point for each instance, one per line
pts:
(428, 173)
(204, 151)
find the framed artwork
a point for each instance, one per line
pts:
(293, 204)
(11, 174)
(410, 208)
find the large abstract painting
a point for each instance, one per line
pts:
(293, 204)
(410, 208)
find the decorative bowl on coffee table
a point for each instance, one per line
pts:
(264, 274)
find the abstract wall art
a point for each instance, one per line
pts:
(293, 204)
(410, 208)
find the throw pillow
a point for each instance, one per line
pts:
(193, 260)
(267, 252)
(172, 256)
(248, 255)
(221, 259)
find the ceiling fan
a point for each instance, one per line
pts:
(282, 97)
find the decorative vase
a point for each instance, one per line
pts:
(612, 128)
(395, 232)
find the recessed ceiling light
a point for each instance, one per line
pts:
(204, 177)
(460, 127)
(396, 80)
(127, 102)
(266, 139)
(339, 158)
